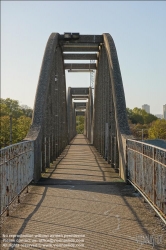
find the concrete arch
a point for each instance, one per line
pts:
(111, 127)
(49, 122)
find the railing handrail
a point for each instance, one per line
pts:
(14, 144)
(147, 144)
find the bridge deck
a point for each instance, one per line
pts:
(84, 196)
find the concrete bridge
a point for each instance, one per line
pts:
(74, 189)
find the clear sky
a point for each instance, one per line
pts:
(137, 27)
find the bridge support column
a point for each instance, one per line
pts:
(85, 124)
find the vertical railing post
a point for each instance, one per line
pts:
(49, 150)
(45, 152)
(154, 176)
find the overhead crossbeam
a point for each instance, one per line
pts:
(80, 66)
(80, 96)
(82, 39)
(79, 91)
(80, 113)
(79, 104)
(80, 108)
(80, 56)
(80, 49)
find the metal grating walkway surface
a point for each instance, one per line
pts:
(81, 203)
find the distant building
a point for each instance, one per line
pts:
(164, 111)
(146, 107)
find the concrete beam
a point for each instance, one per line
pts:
(80, 108)
(80, 49)
(80, 66)
(79, 104)
(80, 56)
(83, 39)
(80, 113)
(80, 96)
(79, 91)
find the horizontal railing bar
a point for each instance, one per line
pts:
(15, 198)
(15, 156)
(147, 156)
(149, 145)
(15, 144)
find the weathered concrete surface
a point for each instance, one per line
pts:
(84, 196)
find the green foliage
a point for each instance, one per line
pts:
(23, 125)
(27, 111)
(141, 122)
(140, 130)
(9, 106)
(5, 130)
(158, 129)
(21, 120)
(140, 116)
(80, 124)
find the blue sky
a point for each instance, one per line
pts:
(138, 29)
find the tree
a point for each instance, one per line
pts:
(11, 107)
(158, 129)
(23, 125)
(5, 131)
(21, 120)
(80, 124)
(27, 111)
(142, 117)
(140, 130)
(140, 121)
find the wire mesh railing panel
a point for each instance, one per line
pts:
(16, 170)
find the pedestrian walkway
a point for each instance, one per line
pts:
(81, 203)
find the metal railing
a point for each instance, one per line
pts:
(16, 171)
(146, 167)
